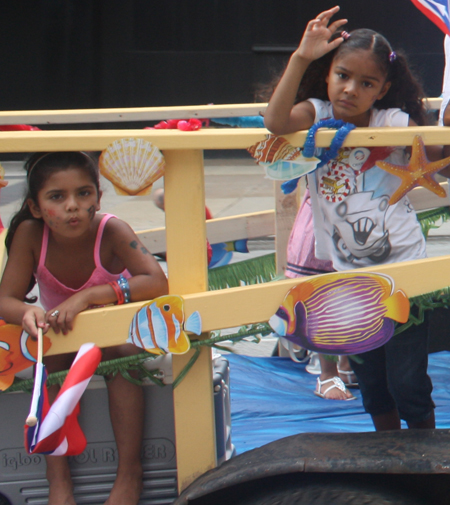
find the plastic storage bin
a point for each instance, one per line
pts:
(22, 476)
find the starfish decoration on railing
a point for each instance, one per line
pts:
(418, 172)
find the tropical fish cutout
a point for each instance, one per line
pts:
(418, 172)
(281, 160)
(341, 313)
(159, 326)
(132, 165)
(18, 351)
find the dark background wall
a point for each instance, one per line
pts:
(119, 53)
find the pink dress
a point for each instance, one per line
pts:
(52, 291)
(301, 259)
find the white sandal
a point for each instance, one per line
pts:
(348, 374)
(337, 383)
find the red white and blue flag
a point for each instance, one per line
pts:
(437, 11)
(57, 431)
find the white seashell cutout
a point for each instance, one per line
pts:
(132, 165)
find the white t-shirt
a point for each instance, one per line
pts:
(354, 225)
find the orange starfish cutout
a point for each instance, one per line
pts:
(418, 172)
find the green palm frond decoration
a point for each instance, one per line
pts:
(429, 218)
(252, 271)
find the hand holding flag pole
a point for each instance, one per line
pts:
(54, 429)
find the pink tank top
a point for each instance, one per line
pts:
(52, 291)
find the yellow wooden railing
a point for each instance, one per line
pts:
(187, 263)
(41, 117)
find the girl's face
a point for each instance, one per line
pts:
(67, 202)
(355, 83)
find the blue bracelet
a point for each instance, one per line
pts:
(125, 287)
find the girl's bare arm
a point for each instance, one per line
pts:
(16, 278)
(282, 116)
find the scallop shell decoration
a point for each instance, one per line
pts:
(132, 165)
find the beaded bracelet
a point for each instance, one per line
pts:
(118, 291)
(125, 288)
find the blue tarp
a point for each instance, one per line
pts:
(272, 398)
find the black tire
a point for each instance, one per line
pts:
(329, 494)
(4, 501)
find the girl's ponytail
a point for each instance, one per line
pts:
(406, 92)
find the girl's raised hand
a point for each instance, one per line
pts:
(315, 42)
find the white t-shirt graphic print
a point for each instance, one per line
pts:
(354, 224)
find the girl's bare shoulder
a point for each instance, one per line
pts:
(116, 226)
(27, 239)
(117, 233)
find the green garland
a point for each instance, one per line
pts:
(137, 362)
(107, 369)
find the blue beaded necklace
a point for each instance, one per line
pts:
(343, 129)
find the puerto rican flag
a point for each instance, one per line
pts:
(57, 431)
(437, 11)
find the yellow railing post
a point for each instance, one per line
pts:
(188, 273)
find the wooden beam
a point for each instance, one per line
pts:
(233, 307)
(223, 229)
(70, 116)
(423, 199)
(223, 138)
(129, 114)
(188, 273)
(285, 211)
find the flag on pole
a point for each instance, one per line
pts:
(437, 11)
(57, 431)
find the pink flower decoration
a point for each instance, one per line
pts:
(172, 124)
(195, 124)
(162, 125)
(192, 124)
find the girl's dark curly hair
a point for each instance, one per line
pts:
(405, 93)
(40, 167)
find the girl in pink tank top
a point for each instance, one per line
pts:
(79, 259)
